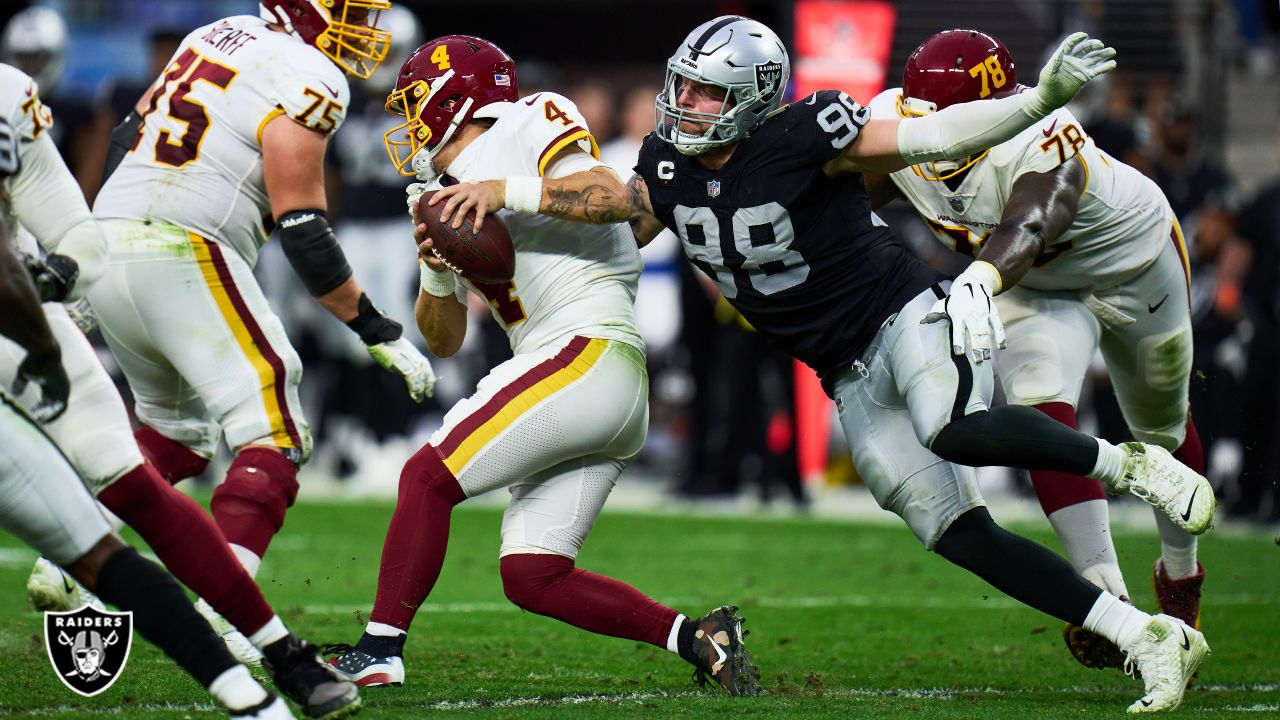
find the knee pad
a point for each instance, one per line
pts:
(427, 467)
(260, 482)
(527, 578)
(172, 459)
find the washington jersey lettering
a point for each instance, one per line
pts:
(571, 278)
(197, 161)
(798, 253)
(1121, 226)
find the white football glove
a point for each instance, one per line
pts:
(401, 356)
(1077, 60)
(412, 193)
(976, 329)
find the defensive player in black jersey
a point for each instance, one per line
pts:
(768, 201)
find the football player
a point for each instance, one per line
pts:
(92, 427)
(558, 422)
(45, 502)
(768, 200)
(1083, 252)
(229, 142)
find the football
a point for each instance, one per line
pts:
(487, 256)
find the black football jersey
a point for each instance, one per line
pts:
(799, 254)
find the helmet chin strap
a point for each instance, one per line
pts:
(424, 160)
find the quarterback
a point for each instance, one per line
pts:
(92, 428)
(228, 143)
(1082, 252)
(768, 200)
(557, 423)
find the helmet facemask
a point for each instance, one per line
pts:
(411, 144)
(723, 127)
(353, 40)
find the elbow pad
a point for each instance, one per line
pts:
(122, 139)
(312, 250)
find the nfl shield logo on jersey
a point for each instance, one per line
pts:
(713, 188)
(88, 647)
(957, 204)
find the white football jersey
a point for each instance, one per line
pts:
(29, 119)
(197, 162)
(1121, 226)
(571, 278)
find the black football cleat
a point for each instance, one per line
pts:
(721, 654)
(297, 670)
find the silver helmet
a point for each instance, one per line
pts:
(742, 56)
(35, 41)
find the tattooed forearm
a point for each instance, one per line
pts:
(594, 204)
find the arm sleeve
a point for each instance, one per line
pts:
(966, 128)
(47, 201)
(553, 123)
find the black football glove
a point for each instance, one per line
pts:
(48, 375)
(54, 276)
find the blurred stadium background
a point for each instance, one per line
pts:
(1194, 104)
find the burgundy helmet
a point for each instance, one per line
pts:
(957, 66)
(344, 30)
(954, 66)
(441, 86)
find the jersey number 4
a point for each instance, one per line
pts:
(187, 70)
(759, 257)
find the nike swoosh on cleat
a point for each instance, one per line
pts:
(1146, 702)
(67, 584)
(1186, 516)
(1186, 642)
(1049, 132)
(1153, 308)
(719, 652)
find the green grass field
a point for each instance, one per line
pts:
(847, 620)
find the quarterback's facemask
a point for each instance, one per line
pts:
(954, 66)
(445, 83)
(740, 55)
(344, 30)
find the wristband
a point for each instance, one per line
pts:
(987, 274)
(436, 283)
(371, 325)
(524, 194)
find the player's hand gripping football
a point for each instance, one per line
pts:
(401, 356)
(976, 329)
(1077, 60)
(47, 374)
(455, 202)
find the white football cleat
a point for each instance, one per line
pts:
(1168, 654)
(243, 650)
(1154, 475)
(50, 588)
(273, 708)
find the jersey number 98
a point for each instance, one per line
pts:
(760, 256)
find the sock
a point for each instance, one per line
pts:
(550, 585)
(1025, 571)
(1117, 621)
(673, 637)
(247, 559)
(163, 615)
(1057, 490)
(381, 630)
(1177, 548)
(261, 484)
(236, 689)
(382, 645)
(187, 541)
(173, 460)
(1191, 452)
(274, 630)
(684, 642)
(1085, 532)
(1109, 466)
(417, 538)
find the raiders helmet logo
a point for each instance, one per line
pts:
(768, 78)
(88, 647)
